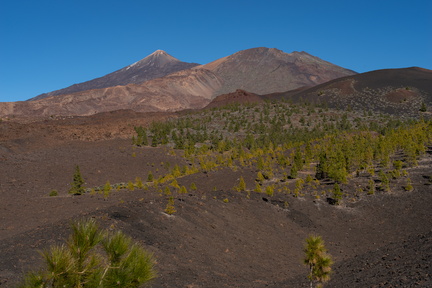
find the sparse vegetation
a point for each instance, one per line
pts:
(285, 141)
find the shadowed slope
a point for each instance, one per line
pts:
(394, 91)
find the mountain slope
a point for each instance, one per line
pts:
(177, 91)
(257, 70)
(156, 65)
(267, 70)
(395, 91)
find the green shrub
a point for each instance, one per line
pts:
(53, 193)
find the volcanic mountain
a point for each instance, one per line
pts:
(404, 91)
(156, 65)
(257, 70)
(267, 70)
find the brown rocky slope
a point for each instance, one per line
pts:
(267, 70)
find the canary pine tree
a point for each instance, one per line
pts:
(94, 258)
(317, 260)
(77, 186)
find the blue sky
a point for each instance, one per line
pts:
(47, 45)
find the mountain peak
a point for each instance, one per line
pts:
(157, 58)
(159, 52)
(256, 66)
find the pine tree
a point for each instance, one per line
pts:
(385, 182)
(260, 177)
(170, 209)
(183, 190)
(258, 188)
(107, 189)
(371, 187)
(318, 261)
(131, 186)
(175, 184)
(337, 194)
(78, 182)
(269, 190)
(408, 186)
(138, 183)
(150, 177)
(293, 172)
(242, 185)
(94, 258)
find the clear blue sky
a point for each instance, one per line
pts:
(48, 45)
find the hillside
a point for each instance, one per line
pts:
(400, 92)
(222, 234)
(156, 65)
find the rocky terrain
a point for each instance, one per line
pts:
(247, 172)
(218, 236)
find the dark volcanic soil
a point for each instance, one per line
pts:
(383, 240)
